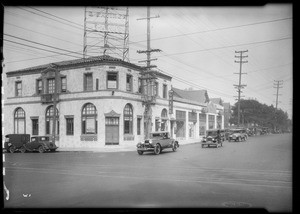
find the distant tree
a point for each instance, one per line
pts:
(254, 112)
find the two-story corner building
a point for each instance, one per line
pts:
(99, 103)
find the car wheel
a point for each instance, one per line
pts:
(157, 149)
(41, 149)
(23, 149)
(12, 149)
(174, 147)
(240, 139)
(53, 150)
(140, 152)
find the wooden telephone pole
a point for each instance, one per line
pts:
(148, 77)
(240, 86)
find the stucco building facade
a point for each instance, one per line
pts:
(100, 103)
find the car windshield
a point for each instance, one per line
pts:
(211, 133)
(156, 135)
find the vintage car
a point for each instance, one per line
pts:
(157, 142)
(40, 144)
(238, 134)
(14, 142)
(211, 138)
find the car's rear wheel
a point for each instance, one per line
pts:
(23, 149)
(140, 152)
(41, 149)
(174, 147)
(157, 149)
(53, 150)
(12, 149)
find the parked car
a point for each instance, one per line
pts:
(238, 135)
(14, 142)
(157, 142)
(211, 138)
(226, 133)
(40, 144)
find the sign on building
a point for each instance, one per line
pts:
(170, 102)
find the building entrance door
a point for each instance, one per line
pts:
(111, 131)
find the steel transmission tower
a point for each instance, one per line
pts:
(148, 78)
(106, 32)
(240, 86)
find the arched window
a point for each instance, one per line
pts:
(49, 120)
(164, 113)
(164, 120)
(89, 120)
(128, 119)
(19, 121)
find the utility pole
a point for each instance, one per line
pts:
(240, 86)
(55, 95)
(279, 83)
(148, 80)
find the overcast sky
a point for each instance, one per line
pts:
(198, 45)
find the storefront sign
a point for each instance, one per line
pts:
(170, 102)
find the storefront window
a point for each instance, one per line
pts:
(202, 124)
(180, 123)
(211, 121)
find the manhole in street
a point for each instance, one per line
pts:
(236, 204)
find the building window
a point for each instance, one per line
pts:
(88, 82)
(51, 86)
(165, 89)
(128, 119)
(49, 120)
(97, 84)
(89, 119)
(112, 80)
(156, 88)
(140, 86)
(35, 126)
(39, 86)
(211, 121)
(202, 124)
(70, 126)
(63, 84)
(128, 82)
(18, 89)
(157, 125)
(180, 123)
(19, 121)
(164, 120)
(219, 122)
(139, 125)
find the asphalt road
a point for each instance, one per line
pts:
(252, 174)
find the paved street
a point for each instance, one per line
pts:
(256, 173)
